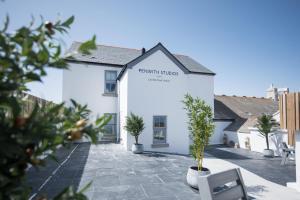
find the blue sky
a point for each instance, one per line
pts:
(249, 44)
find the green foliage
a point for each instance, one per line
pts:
(200, 125)
(25, 136)
(135, 126)
(265, 124)
(88, 45)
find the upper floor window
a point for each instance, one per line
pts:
(159, 129)
(110, 81)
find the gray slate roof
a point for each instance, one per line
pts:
(243, 111)
(121, 56)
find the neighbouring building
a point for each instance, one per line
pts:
(117, 81)
(274, 92)
(241, 113)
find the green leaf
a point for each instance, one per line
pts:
(74, 103)
(99, 120)
(33, 77)
(87, 46)
(106, 120)
(86, 187)
(58, 139)
(6, 22)
(68, 22)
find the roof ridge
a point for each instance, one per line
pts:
(254, 97)
(105, 45)
(175, 54)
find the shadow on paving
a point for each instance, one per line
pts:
(267, 168)
(59, 177)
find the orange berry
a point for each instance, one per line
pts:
(81, 123)
(76, 135)
(20, 122)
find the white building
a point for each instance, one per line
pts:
(151, 84)
(274, 92)
(241, 114)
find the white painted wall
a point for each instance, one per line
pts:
(232, 136)
(123, 107)
(147, 98)
(217, 137)
(85, 84)
(296, 185)
(257, 142)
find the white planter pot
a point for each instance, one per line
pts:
(268, 153)
(192, 175)
(137, 148)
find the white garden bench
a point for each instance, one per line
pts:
(286, 153)
(227, 185)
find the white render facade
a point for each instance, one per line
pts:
(152, 84)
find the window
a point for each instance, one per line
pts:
(110, 81)
(159, 129)
(111, 126)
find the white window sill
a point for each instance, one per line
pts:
(159, 145)
(110, 94)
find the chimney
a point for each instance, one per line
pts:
(272, 93)
(143, 50)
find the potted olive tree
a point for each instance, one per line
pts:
(135, 126)
(201, 127)
(265, 124)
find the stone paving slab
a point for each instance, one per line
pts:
(117, 174)
(268, 168)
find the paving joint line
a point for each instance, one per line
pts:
(53, 173)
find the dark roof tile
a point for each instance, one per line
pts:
(121, 56)
(242, 110)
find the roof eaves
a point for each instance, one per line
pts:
(90, 62)
(204, 73)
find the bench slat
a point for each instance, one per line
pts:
(219, 179)
(235, 192)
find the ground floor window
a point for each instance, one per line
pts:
(111, 126)
(159, 129)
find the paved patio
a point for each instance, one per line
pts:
(267, 168)
(118, 174)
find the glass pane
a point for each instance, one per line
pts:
(112, 87)
(113, 120)
(113, 76)
(107, 74)
(108, 87)
(110, 75)
(162, 122)
(159, 136)
(108, 129)
(114, 130)
(156, 122)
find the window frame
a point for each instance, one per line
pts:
(110, 81)
(165, 129)
(115, 124)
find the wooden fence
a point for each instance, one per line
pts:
(289, 106)
(28, 103)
